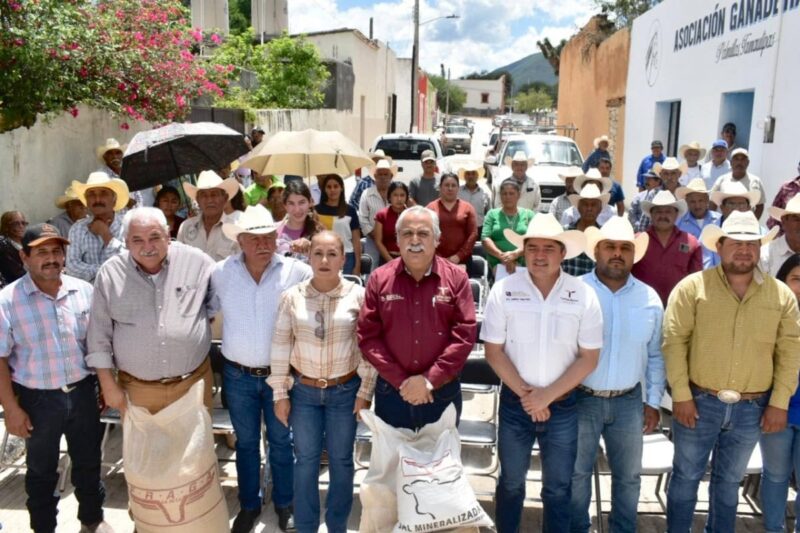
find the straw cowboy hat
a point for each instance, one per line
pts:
(471, 166)
(592, 175)
(589, 192)
(256, 219)
(792, 208)
(545, 226)
(734, 189)
(598, 140)
(377, 154)
(694, 145)
(664, 199)
(570, 172)
(519, 156)
(616, 229)
(208, 179)
(697, 185)
(741, 226)
(110, 144)
(670, 163)
(68, 196)
(101, 179)
(386, 163)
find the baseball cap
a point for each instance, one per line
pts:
(656, 144)
(39, 234)
(427, 155)
(740, 151)
(720, 143)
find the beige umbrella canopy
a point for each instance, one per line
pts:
(307, 153)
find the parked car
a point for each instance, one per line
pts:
(406, 149)
(551, 153)
(456, 139)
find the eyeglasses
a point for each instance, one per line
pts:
(319, 331)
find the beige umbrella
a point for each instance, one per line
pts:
(307, 153)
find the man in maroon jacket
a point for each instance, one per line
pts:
(417, 326)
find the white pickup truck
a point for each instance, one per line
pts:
(406, 149)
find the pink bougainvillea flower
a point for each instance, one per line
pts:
(74, 111)
(196, 34)
(124, 126)
(215, 38)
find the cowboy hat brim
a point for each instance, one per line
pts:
(116, 185)
(463, 170)
(574, 199)
(682, 151)
(712, 234)
(594, 236)
(718, 197)
(603, 138)
(778, 213)
(573, 240)
(680, 205)
(62, 201)
(232, 231)
(100, 151)
(508, 160)
(580, 181)
(682, 192)
(229, 185)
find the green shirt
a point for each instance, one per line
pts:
(496, 221)
(255, 193)
(718, 342)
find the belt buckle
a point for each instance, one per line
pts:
(729, 396)
(323, 383)
(66, 389)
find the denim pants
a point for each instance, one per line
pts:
(731, 431)
(781, 455)
(395, 411)
(250, 399)
(558, 445)
(75, 415)
(349, 262)
(619, 420)
(323, 418)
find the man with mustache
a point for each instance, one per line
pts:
(740, 160)
(672, 254)
(98, 237)
(46, 388)
(204, 231)
(417, 326)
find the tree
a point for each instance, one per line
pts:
(624, 11)
(551, 90)
(533, 101)
(457, 95)
(552, 53)
(239, 16)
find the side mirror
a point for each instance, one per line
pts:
(491, 160)
(484, 144)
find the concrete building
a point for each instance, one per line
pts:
(374, 94)
(210, 15)
(696, 65)
(269, 17)
(402, 84)
(484, 97)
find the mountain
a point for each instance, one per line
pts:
(529, 69)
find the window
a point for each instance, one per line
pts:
(404, 148)
(668, 123)
(484, 98)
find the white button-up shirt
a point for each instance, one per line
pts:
(542, 335)
(774, 254)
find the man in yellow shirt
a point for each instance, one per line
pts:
(732, 353)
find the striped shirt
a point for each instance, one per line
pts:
(87, 251)
(44, 338)
(371, 203)
(361, 187)
(296, 341)
(250, 309)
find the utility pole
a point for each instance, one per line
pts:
(447, 102)
(414, 68)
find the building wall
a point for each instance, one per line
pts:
(270, 17)
(701, 73)
(475, 88)
(40, 162)
(210, 15)
(402, 86)
(592, 93)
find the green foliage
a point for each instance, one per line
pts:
(533, 101)
(624, 11)
(540, 86)
(239, 16)
(457, 95)
(552, 53)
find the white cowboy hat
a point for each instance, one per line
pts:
(734, 189)
(68, 196)
(519, 156)
(386, 163)
(696, 185)
(545, 226)
(598, 140)
(110, 144)
(589, 192)
(101, 179)
(592, 175)
(741, 226)
(670, 163)
(471, 166)
(570, 172)
(256, 219)
(208, 179)
(664, 199)
(694, 145)
(616, 229)
(792, 208)
(377, 154)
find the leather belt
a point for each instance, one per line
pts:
(727, 395)
(605, 393)
(323, 383)
(169, 380)
(255, 371)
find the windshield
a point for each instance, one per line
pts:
(556, 153)
(404, 148)
(458, 129)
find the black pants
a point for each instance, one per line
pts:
(75, 415)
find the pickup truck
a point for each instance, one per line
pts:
(456, 139)
(406, 149)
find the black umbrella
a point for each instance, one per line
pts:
(157, 156)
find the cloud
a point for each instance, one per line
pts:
(488, 34)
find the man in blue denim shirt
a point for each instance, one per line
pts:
(656, 156)
(698, 215)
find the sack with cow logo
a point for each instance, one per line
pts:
(171, 468)
(416, 481)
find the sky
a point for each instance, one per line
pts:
(488, 34)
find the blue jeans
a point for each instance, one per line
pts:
(323, 417)
(731, 431)
(558, 446)
(395, 411)
(781, 454)
(250, 399)
(619, 420)
(75, 415)
(349, 262)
